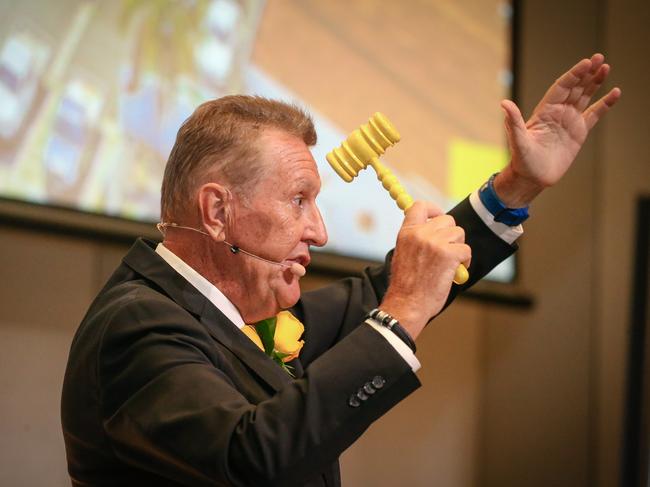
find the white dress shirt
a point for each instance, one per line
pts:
(202, 285)
(216, 297)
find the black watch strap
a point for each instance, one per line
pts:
(384, 319)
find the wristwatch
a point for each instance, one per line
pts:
(501, 213)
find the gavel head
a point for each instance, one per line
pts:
(364, 145)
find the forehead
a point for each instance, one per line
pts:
(288, 158)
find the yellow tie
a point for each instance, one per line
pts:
(250, 332)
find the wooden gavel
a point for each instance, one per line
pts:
(363, 148)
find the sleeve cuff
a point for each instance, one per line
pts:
(399, 346)
(505, 232)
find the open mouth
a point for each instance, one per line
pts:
(303, 260)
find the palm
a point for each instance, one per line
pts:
(544, 147)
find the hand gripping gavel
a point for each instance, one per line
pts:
(363, 148)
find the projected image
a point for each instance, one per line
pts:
(92, 94)
(22, 61)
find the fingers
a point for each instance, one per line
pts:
(583, 79)
(586, 85)
(427, 218)
(597, 61)
(592, 82)
(463, 254)
(448, 231)
(595, 83)
(443, 230)
(560, 90)
(455, 237)
(420, 212)
(575, 75)
(598, 109)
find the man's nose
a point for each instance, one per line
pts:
(316, 233)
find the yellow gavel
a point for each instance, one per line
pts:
(363, 148)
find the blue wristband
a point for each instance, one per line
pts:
(501, 213)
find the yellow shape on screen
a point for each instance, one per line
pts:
(471, 164)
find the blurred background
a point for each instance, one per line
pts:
(516, 391)
(93, 92)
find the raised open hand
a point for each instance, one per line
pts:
(544, 148)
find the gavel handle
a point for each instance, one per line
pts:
(404, 200)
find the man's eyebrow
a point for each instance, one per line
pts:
(304, 181)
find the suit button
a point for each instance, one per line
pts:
(354, 401)
(369, 388)
(362, 395)
(378, 382)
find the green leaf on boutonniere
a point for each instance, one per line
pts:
(280, 355)
(266, 330)
(278, 359)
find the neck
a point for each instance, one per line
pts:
(225, 270)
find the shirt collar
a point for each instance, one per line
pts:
(202, 285)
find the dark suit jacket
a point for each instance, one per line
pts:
(162, 389)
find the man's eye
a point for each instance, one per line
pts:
(298, 200)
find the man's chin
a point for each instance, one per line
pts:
(288, 296)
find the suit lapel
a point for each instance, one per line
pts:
(227, 333)
(143, 259)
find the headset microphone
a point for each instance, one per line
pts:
(296, 269)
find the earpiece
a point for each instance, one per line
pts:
(296, 269)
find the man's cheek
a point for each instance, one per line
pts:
(288, 231)
(260, 225)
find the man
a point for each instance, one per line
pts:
(162, 385)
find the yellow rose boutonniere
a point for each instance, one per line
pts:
(288, 331)
(279, 338)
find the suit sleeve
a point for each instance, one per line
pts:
(169, 407)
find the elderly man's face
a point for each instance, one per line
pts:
(279, 222)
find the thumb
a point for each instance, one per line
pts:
(515, 124)
(420, 212)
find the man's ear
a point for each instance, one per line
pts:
(214, 207)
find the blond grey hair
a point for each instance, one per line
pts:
(219, 140)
